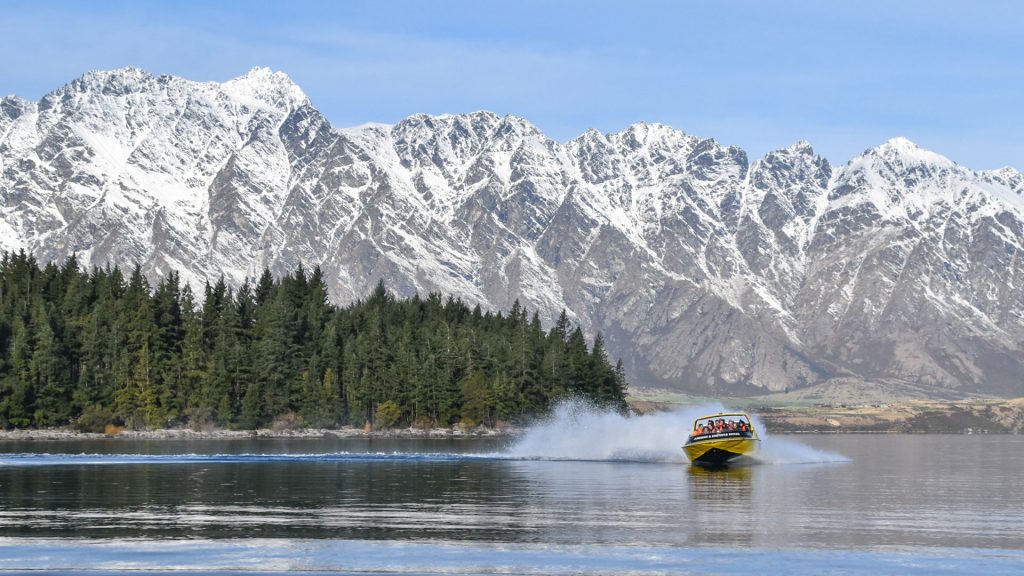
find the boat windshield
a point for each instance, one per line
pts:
(722, 424)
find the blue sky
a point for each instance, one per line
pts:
(844, 75)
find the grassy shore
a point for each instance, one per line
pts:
(799, 414)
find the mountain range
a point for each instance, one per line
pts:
(704, 270)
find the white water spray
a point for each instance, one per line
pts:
(578, 431)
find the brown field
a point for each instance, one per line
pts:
(802, 415)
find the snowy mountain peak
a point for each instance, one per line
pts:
(900, 178)
(117, 82)
(127, 74)
(902, 151)
(480, 122)
(901, 142)
(796, 163)
(643, 134)
(1007, 184)
(267, 87)
(13, 100)
(520, 125)
(1008, 174)
(799, 147)
(711, 150)
(13, 107)
(475, 117)
(478, 119)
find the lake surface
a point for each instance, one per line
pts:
(594, 494)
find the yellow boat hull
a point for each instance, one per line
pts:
(719, 451)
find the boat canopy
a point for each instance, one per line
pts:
(722, 423)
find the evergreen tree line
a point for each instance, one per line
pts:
(96, 348)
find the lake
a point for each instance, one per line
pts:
(585, 493)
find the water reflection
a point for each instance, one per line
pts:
(602, 502)
(367, 500)
(720, 484)
(722, 505)
(911, 491)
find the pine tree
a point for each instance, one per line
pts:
(49, 371)
(577, 362)
(193, 363)
(601, 375)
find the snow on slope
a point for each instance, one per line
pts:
(704, 270)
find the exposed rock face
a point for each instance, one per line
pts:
(704, 271)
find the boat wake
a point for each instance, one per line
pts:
(576, 430)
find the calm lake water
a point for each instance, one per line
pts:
(601, 495)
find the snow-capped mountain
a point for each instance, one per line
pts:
(704, 271)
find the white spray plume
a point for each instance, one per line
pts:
(576, 430)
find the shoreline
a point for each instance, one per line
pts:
(67, 434)
(988, 416)
(907, 416)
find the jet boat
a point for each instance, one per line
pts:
(719, 439)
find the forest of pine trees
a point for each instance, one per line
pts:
(93, 348)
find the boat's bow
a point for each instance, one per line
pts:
(720, 439)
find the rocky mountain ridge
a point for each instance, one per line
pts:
(704, 271)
